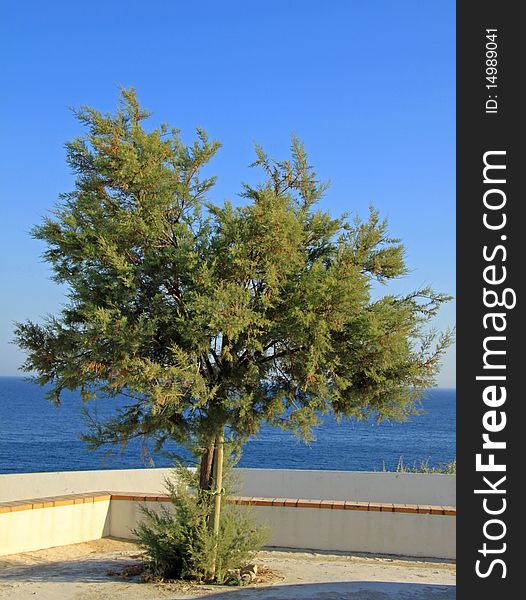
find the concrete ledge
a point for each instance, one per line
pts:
(68, 499)
(343, 505)
(53, 501)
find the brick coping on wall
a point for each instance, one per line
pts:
(70, 499)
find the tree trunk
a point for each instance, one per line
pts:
(205, 472)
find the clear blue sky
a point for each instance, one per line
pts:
(368, 85)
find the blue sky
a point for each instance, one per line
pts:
(368, 85)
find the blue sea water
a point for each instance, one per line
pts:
(36, 436)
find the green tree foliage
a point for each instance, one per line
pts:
(213, 318)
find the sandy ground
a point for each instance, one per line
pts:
(88, 572)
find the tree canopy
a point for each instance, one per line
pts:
(207, 315)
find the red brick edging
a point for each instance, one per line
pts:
(71, 499)
(348, 505)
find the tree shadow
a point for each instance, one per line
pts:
(85, 570)
(341, 590)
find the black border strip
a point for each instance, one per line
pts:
(478, 132)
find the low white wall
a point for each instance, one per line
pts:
(125, 515)
(402, 534)
(405, 488)
(363, 486)
(26, 530)
(19, 486)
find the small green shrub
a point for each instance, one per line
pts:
(179, 544)
(449, 468)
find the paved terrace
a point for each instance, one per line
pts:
(94, 571)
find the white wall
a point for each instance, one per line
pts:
(20, 486)
(417, 535)
(125, 515)
(406, 488)
(27, 530)
(399, 488)
(403, 534)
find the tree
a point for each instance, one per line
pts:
(212, 318)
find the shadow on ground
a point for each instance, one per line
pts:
(95, 570)
(355, 590)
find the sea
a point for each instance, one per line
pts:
(36, 436)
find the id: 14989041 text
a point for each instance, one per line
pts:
(491, 71)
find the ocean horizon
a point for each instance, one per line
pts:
(36, 436)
